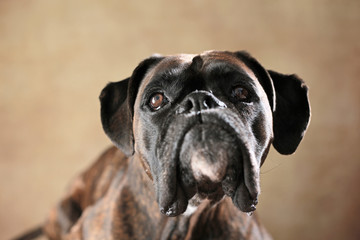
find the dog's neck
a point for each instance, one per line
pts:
(221, 220)
(129, 210)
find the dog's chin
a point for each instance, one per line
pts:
(213, 197)
(210, 163)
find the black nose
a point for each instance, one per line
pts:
(198, 101)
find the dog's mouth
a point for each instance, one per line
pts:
(210, 160)
(206, 155)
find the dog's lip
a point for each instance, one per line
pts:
(230, 123)
(209, 116)
(194, 122)
(249, 193)
(213, 120)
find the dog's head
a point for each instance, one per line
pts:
(202, 125)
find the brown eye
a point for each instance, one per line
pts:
(156, 101)
(240, 93)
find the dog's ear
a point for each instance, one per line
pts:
(115, 115)
(292, 112)
(288, 98)
(117, 106)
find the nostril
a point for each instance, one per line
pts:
(198, 101)
(185, 107)
(188, 106)
(208, 102)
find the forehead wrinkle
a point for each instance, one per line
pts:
(240, 65)
(248, 71)
(226, 58)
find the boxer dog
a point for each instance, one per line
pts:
(191, 132)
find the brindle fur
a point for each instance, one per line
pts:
(122, 214)
(120, 195)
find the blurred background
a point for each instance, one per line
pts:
(56, 56)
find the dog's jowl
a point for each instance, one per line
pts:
(191, 133)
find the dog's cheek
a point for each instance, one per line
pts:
(141, 133)
(263, 133)
(144, 143)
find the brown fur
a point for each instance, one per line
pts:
(122, 194)
(117, 201)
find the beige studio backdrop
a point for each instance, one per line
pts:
(56, 56)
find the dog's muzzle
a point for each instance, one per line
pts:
(209, 159)
(206, 156)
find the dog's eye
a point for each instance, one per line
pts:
(156, 101)
(240, 93)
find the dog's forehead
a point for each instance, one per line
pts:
(208, 62)
(215, 60)
(174, 64)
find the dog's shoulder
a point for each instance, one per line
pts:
(93, 183)
(85, 190)
(98, 177)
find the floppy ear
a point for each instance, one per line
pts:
(115, 116)
(288, 98)
(292, 112)
(117, 107)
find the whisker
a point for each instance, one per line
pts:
(264, 172)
